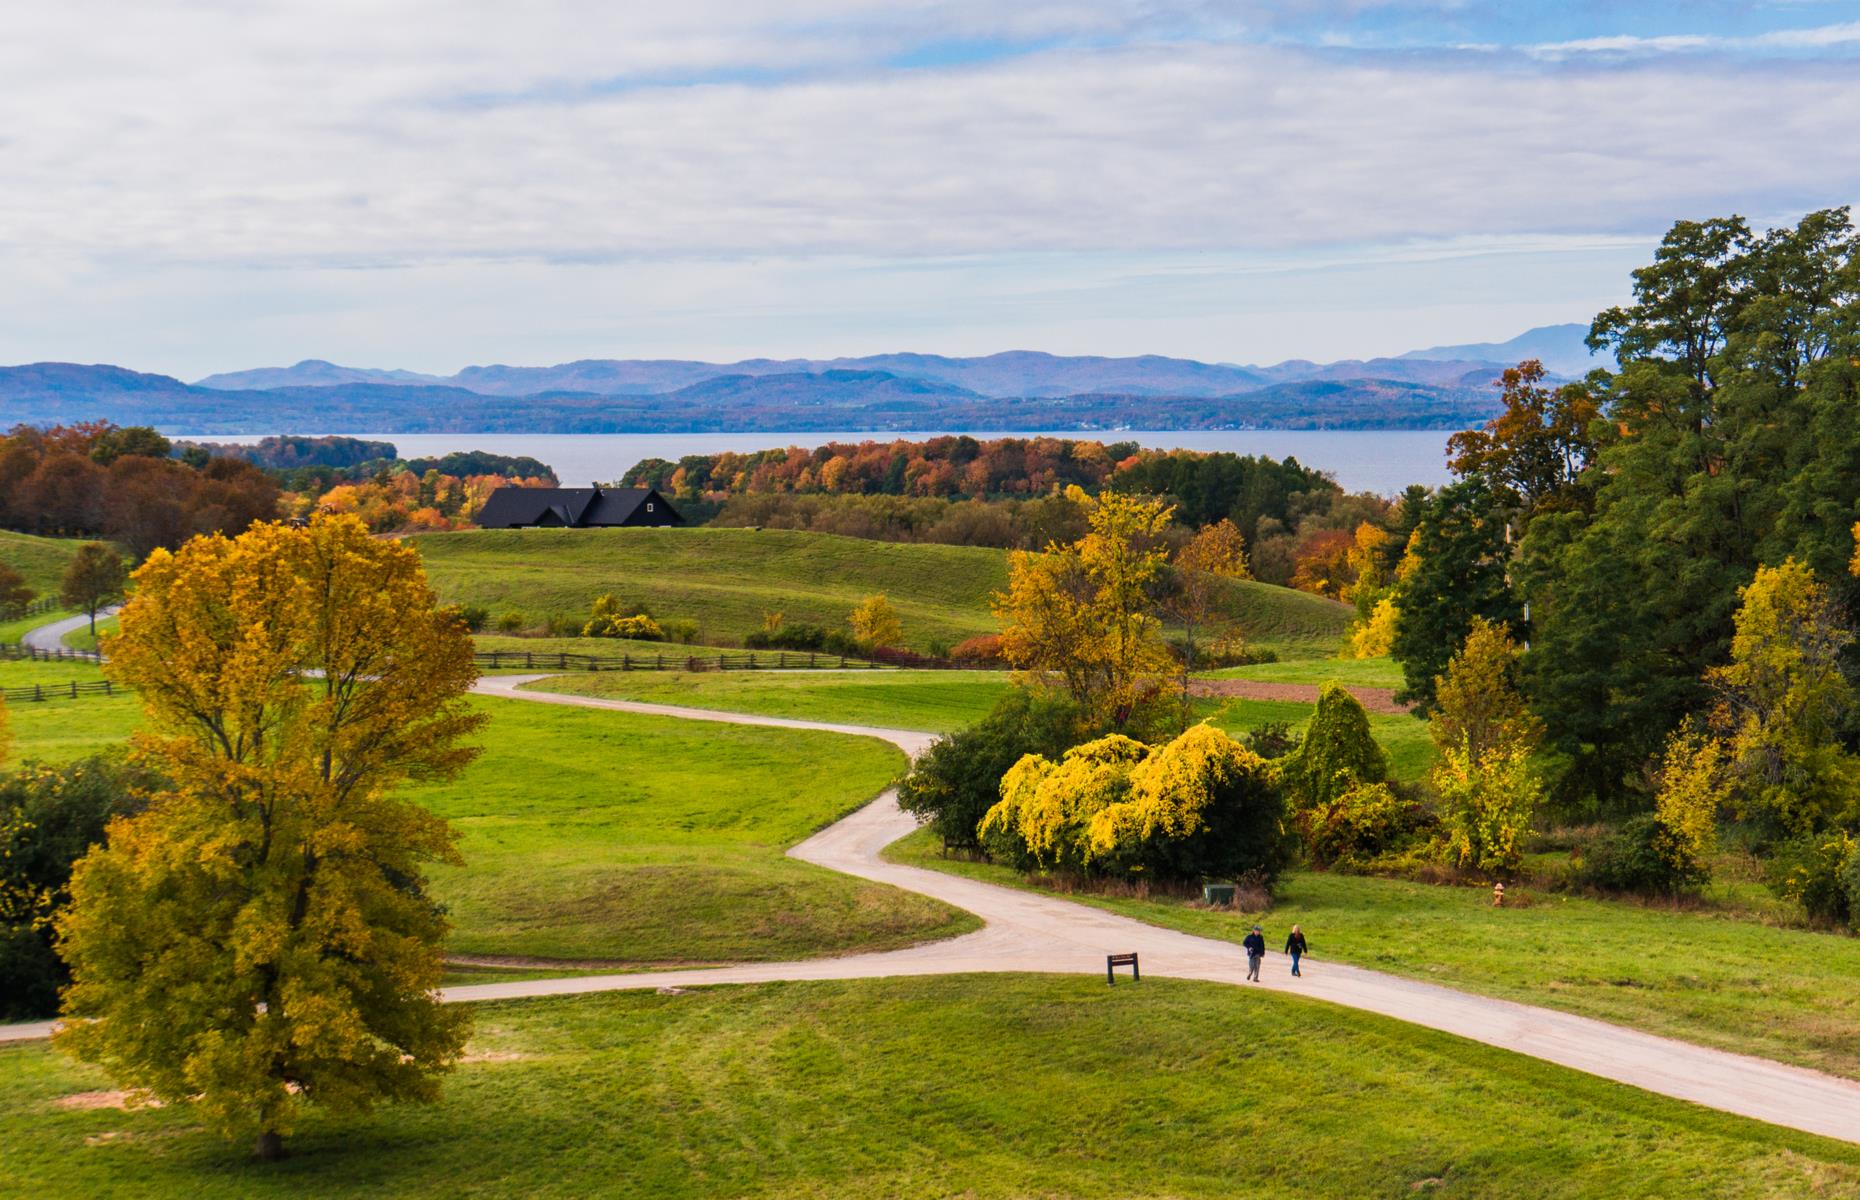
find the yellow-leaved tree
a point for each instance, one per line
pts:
(1216, 553)
(261, 938)
(1083, 614)
(875, 623)
(1199, 806)
(1783, 700)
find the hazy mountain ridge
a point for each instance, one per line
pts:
(1009, 374)
(1007, 391)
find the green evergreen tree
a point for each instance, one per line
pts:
(1338, 753)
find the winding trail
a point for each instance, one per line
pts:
(51, 636)
(1028, 932)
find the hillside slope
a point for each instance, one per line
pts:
(42, 560)
(728, 579)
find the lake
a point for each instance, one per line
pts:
(1360, 460)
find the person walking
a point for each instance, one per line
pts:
(1255, 944)
(1295, 946)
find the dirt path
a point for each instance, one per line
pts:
(1375, 699)
(1026, 931)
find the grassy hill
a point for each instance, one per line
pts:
(41, 560)
(726, 579)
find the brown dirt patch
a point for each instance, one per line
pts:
(495, 1056)
(1375, 699)
(84, 1101)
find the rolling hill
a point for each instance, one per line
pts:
(727, 580)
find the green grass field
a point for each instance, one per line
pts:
(932, 701)
(42, 560)
(63, 728)
(606, 836)
(724, 579)
(728, 579)
(1358, 672)
(1705, 977)
(983, 1087)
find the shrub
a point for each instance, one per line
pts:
(475, 616)
(1274, 739)
(612, 619)
(682, 630)
(49, 818)
(1487, 805)
(982, 651)
(786, 637)
(1639, 857)
(511, 622)
(563, 625)
(1361, 826)
(1199, 806)
(954, 783)
(1338, 753)
(1821, 872)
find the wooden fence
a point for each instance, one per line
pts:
(15, 651)
(60, 691)
(31, 608)
(765, 660)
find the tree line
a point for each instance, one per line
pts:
(1670, 547)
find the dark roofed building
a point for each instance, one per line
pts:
(575, 508)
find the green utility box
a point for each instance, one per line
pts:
(1218, 893)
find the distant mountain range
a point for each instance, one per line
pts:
(1449, 387)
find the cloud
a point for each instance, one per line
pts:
(1820, 37)
(261, 141)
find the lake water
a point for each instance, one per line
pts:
(1360, 460)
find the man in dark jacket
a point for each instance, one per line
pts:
(1295, 946)
(1255, 944)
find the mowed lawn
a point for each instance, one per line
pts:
(62, 727)
(972, 1086)
(606, 836)
(1352, 672)
(1784, 994)
(726, 580)
(930, 701)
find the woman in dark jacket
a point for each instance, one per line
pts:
(1295, 946)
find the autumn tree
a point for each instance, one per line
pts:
(1534, 452)
(1477, 705)
(1487, 806)
(1082, 614)
(94, 578)
(261, 939)
(1199, 806)
(1783, 700)
(875, 623)
(14, 594)
(1215, 554)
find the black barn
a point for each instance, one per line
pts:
(575, 508)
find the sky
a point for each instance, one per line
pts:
(193, 186)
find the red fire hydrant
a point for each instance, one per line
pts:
(1498, 895)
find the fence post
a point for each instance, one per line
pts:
(659, 660)
(781, 660)
(720, 664)
(529, 659)
(38, 692)
(74, 689)
(626, 660)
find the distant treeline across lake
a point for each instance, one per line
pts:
(1362, 460)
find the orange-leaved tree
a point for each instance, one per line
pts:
(1082, 614)
(261, 938)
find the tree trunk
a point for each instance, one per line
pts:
(269, 1148)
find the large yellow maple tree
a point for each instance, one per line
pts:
(261, 938)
